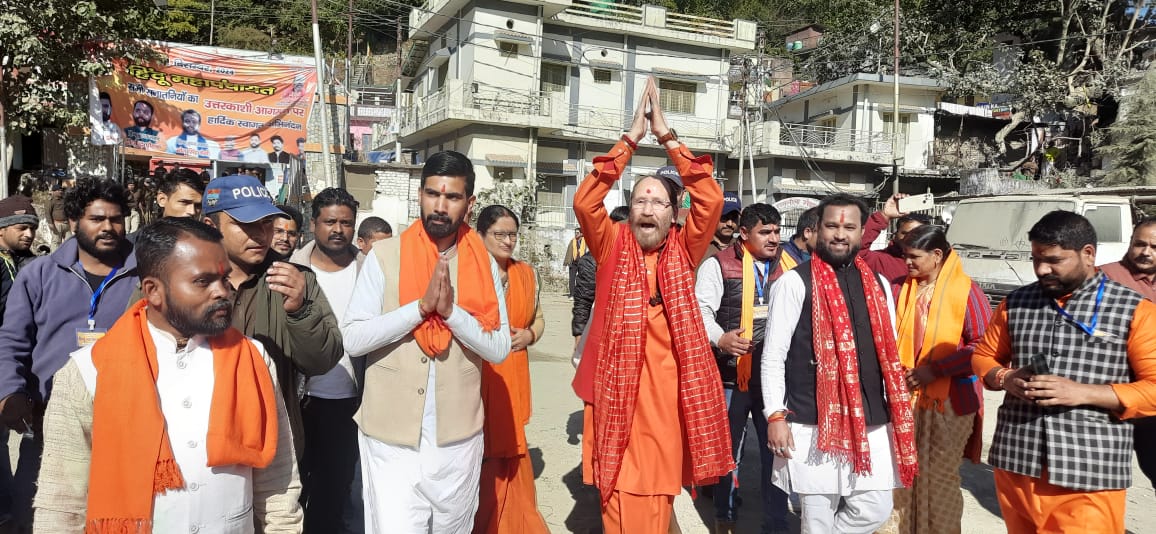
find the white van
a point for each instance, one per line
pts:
(990, 234)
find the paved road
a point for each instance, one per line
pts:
(554, 436)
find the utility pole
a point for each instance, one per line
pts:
(895, 112)
(349, 65)
(326, 139)
(4, 163)
(212, 19)
(397, 100)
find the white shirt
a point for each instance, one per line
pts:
(254, 155)
(217, 499)
(338, 383)
(367, 327)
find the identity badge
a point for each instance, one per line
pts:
(86, 337)
(760, 312)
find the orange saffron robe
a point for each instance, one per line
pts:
(656, 458)
(508, 502)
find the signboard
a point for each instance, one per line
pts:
(200, 103)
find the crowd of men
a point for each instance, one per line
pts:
(212, 373)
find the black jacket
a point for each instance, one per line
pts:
(583, 293)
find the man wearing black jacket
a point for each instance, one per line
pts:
(583, 291)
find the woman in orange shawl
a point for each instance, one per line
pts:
(941, 317)
(508, 503)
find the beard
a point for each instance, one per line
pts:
(188, 323)
(835, 259)
(649, 241)
(87, 243)
(439, 226)
(1055, 286)
(141, 122)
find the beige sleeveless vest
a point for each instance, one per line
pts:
(396, 376)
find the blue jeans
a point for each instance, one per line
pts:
(740, 404)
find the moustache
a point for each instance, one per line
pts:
(337, 237)
(434, 217)
(106, 235)
(1050, 278)
(220, 305)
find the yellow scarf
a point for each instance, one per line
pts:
(747, 317)
(943, 327)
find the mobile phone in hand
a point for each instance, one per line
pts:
(912, 203)
(1040, 364)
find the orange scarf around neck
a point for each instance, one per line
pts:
(132, 459)
(942, 327)
(473, 290)
(506, 386)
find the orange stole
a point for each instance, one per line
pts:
(942, 331)
(473, 290)
(507, 500)
(506, 386)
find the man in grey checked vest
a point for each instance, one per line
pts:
(1076, 354)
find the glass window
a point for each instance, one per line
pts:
(508, 49)
(553, 78)
(677, 96)
(996, 225)
(601, 76)
(1107, 220)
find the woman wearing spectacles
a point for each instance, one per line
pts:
(508, 497)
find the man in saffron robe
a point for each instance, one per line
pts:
(655, 413)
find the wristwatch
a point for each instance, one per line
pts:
(668, 136)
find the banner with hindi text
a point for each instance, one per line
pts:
(207, 103)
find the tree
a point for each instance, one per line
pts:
(51, 47)
(1063, 57)
(1131, 144)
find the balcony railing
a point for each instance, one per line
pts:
(649, 17)
(606, 10)
(831, 138)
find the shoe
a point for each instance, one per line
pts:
(724, 527)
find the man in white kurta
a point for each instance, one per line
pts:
(834, 499)
(233, 498)
(421, 416)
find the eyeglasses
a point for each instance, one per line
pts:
(657, 205)
(502, 236)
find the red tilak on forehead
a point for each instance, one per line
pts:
(443, 188)
(221, 268)
(842, 216)
(648, 190)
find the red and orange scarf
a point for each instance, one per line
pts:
(473, 290)
(842, 425)
(621, 352)
(132, 459)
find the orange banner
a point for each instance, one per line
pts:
(207, 103)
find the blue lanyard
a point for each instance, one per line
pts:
(96, 297)
(761, 279)
(1089, 329)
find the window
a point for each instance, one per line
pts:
(1108, 222)
(503, 174)
(676, 96)
(508, 49)
(443, 73)
(601, 76)
(553, 78)
(904, 126)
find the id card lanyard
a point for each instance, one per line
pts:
(761, 279)
(1089, 329)
(96, 297)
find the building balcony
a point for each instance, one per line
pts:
(430, 16)
(551, 113)
(656, 22)
(824, 143)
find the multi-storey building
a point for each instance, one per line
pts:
(533, 90)
(838, 136)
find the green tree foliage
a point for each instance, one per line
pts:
(52, 46)
(1131, 145)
